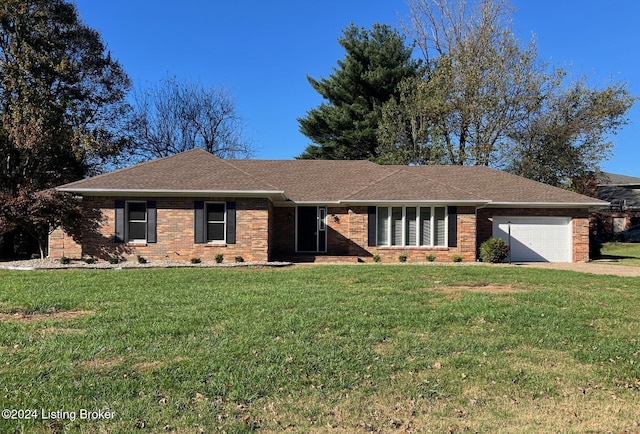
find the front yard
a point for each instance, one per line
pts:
(358, 348)
(623, 253)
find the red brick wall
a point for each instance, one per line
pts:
(580, 224)
(265, 232)
(347, 235)
(175, 233)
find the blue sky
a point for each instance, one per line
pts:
(263, 51)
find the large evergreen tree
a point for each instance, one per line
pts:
(344, 127)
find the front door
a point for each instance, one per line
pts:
(311, 230)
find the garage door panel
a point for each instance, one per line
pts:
(536, 239)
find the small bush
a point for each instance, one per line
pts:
(457, 258)
(141, 260)
(431, 257)
(402, 258)
(90, 261)
(113, 260)
(195, 260)
(35, 256)
(219, 258)
(376, 258)
(64, 260)
(239, 259)
(494, 250)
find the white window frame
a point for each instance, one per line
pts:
(419, 237)
(128, 222)
(207, 221)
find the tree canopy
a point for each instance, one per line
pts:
(62, 96)
(344, 127)
(62, 104)
(487, 99)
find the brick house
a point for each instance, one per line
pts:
(195, 205)
(623, 194)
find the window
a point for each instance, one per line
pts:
(412, 226)
(136, 221)
(216, 222)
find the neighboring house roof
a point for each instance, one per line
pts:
(198, 172)
(615, 179)
(620, 190)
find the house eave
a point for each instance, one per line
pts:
(276, 195)
(415, 202)
(547, 204)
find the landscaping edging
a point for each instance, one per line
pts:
(52, 264)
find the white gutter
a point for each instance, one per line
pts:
(415, 201)
(170, 193)
(547, 204)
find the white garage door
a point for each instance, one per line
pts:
(536, 239)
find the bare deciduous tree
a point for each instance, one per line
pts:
(175, 116)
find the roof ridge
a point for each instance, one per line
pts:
(376, 182)
(255, 178)
(137, 165)
(447, 185)
(525, 179)
(407, 169)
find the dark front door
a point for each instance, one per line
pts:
(311, 230)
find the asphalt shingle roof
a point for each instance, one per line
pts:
(326, 181)
(195, 170)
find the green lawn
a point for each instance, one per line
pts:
(358, 348)
(623, 253)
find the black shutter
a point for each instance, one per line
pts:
(453, 226)
(231, 223)
(151, 221)
(199, 226)
(371, 229)
(118, 237)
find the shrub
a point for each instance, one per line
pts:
(113, 260)
(195, 260)
(219, 258)
(494, 250)
(402, 258)
(141, 260)
(431, 257)
(457, 258)
(35, 256)
(239, 259)
(90, 261)
(376, 258)
(64, 260)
